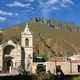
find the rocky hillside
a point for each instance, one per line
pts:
(57, 24)
(51, 37)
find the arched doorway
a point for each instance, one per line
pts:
(7, 58)
(7, 64)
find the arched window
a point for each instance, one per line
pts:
(27, 42)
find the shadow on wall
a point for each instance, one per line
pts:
(22, 57)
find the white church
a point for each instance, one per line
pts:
(12, 55)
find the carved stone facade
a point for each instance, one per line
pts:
(12, 55)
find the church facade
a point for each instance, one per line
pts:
(12, 55)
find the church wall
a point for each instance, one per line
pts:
(28, 51)
(16, 54)
(17, 60)
(31, 42)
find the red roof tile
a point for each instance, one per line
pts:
(61, 59)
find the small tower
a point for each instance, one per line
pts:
(27, 44)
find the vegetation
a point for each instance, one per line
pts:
(73, 77)
(35, 77)
(76, 78)
(43, 56)
(42, 75)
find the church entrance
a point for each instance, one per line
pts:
(7, 58)
(8, 63)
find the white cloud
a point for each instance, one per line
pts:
(49, 6)
(52, 1)
(2, 19)
(18, 4)
(8, 13)
(60, 2)
(30, 0)
(67, 2)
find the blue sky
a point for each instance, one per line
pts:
(16, 11)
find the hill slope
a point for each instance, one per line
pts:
(47, 39)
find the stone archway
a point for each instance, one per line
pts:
(7, 58)
(8, 49)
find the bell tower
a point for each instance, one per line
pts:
(27, 44)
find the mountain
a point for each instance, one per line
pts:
(50, 37)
